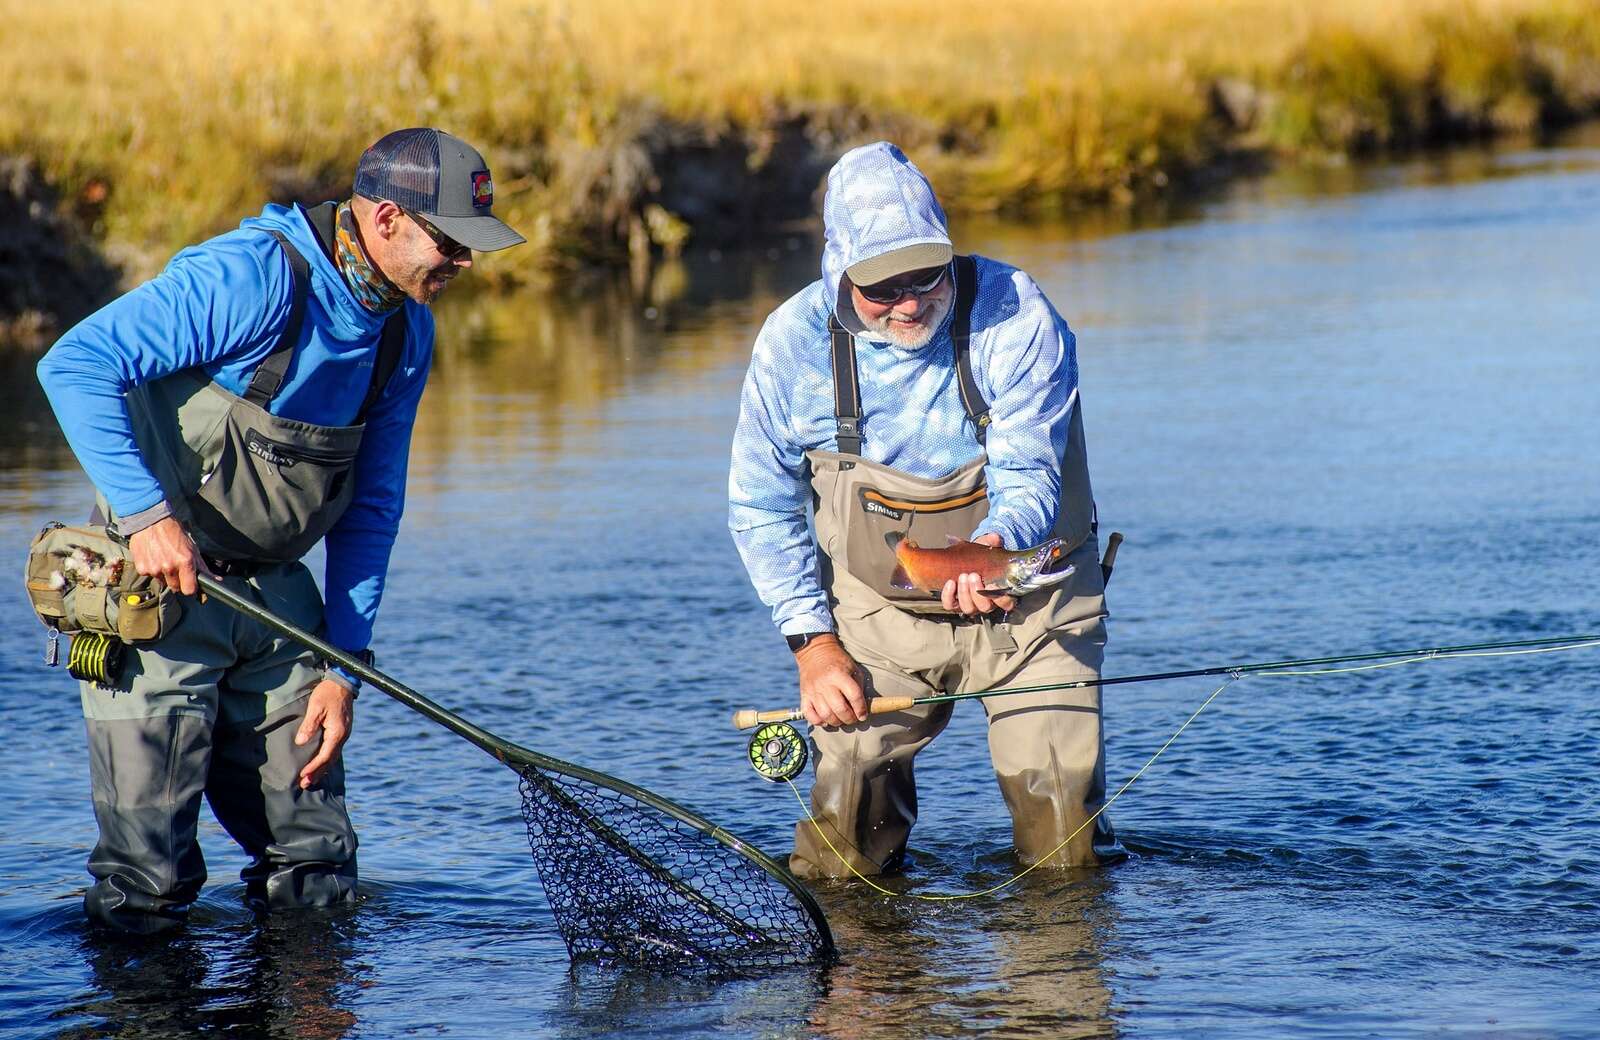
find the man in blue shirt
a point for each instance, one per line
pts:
(913, 392)
(254, 398)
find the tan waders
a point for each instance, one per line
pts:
(1047, 748)
(212, 708)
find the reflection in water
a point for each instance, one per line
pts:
(599, 1002)
(278, 975)
(1026, 962)
(30, 442)
(507, 365)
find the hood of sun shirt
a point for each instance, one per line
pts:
(877, 202)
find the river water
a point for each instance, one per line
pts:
(1333, 411)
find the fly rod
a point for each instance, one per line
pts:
(882, 705)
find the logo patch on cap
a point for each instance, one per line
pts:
(482, 189)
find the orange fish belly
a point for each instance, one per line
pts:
(929, 569)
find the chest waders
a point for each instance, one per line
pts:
(1046, 748)
(209, 712)
(249, 485)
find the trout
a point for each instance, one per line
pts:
(1010, 572)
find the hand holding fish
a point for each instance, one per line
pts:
(964, 594)
(975, 577)
(831, 687)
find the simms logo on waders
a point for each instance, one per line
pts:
(873, 501)
(872, 506)
(262, 448)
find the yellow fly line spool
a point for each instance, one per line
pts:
(94, 657)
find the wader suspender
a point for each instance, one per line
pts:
(269, 374)
(847, 390)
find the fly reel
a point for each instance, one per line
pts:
(778, 752)
(94, 657)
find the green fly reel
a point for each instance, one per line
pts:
(778, 752)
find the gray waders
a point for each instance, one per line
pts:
(1047, 748)
(212, 708)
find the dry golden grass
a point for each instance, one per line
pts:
(163, 121)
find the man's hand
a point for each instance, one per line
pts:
(830, 684)
(332, 708)
(964, 594)
(164, 550)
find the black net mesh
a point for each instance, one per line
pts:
(632, 885)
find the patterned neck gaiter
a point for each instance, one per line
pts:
(372, 288)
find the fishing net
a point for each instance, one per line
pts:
(635, 880)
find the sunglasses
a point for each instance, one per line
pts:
(448, 247)
(917, 283)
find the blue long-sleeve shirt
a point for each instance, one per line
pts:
(222, 306)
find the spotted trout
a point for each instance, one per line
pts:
(1010, 572)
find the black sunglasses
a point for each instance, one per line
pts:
(916, 283)
(448, 247)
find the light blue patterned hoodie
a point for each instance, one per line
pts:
(1023, 357)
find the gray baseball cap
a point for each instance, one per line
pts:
(914, 257)
(438, 176)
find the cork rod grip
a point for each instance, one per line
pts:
(750, 718)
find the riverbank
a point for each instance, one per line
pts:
(623, 132)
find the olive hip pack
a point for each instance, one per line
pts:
(80, 579)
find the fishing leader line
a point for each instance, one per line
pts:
(1235, 675)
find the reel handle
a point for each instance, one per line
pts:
(876, 706)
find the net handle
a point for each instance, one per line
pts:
(490, 743)
(515, 755)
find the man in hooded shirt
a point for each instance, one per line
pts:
(254, 398)
(914, 392)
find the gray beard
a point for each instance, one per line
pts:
(906, 337)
